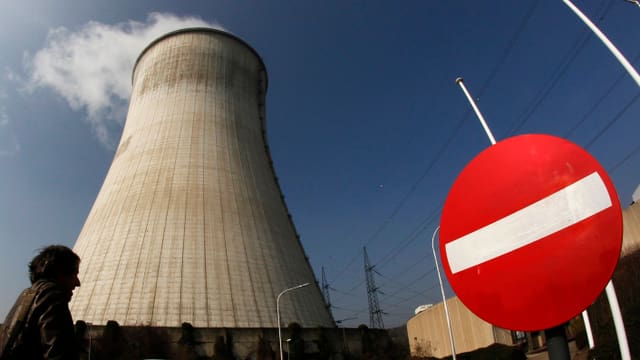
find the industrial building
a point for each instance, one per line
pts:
(190, 224)
(429, 335)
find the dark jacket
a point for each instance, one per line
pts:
(49, 332)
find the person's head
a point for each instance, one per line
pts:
(56, 263)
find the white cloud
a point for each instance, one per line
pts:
(9, 144)
(91, 68)
(10, 149)
(4, 118)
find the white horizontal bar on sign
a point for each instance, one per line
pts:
(570, 205)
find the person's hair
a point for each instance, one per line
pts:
(52, 261)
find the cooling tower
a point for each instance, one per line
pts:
(190, 224)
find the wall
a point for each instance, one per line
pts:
(631, 226)
(164, 342)
(429, 336)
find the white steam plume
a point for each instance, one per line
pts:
(9, 144)
(91, 68)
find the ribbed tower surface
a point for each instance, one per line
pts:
(190, 224)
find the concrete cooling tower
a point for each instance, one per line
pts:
(190, 224)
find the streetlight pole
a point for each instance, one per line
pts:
(623, 342)
(345, 347)
(89, 333)
(635, 2)
(492, 139)
(605, 40)
(444, 299)
(278, 313)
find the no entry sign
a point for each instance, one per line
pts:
(530, 232)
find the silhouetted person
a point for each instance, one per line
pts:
(39, 326)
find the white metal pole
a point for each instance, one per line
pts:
(279, 330)
(278, 314)
(460, 82)
(89, 332)
(617, 321)
(345, 347)
(627, 65)
(444, 299)
(587, 327)
(611, 293)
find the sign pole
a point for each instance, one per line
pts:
(460, 82)
(625, 354)
(611, 294)
(587, 327)
(557, 346)
(614, 50)
(444, 299)
(635, 2)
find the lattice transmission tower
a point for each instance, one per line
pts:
(375, 314)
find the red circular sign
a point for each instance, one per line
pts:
(531, 232)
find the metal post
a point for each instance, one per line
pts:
(623, 60)
(635, 2)
(587, 327)
(345, 346)
(557, 346)
(611, 293)
(444, 299)
(460, 82)
(278, 314)
(89, 332)
(625, 354)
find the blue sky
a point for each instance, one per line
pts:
(366, 126)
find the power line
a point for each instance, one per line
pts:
(350, 291)
(414, 234)
(375, 313)
(635, 2)
(619, 163)
(416, 280)
(346, 309)
(402, 287)
(621, 76)
(510, 45)
(542, 94)
(405, 270)
(417, 231)
(411, 190)
(425, 292)
(558, 73)
(325, 290)
(345, 293)
(571, 55)
(615, 118)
